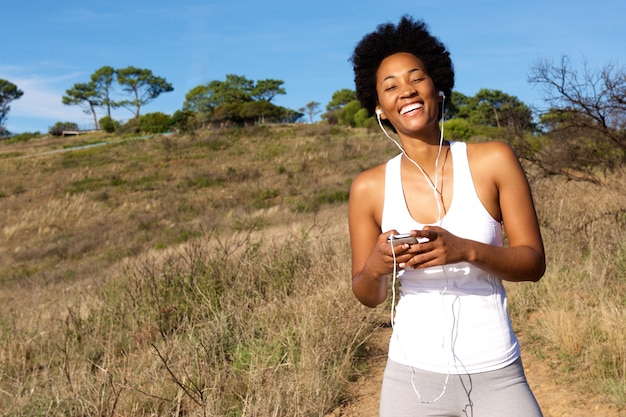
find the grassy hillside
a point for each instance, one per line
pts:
(208, 274)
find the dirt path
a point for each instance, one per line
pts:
(557, 399)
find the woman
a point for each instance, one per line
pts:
(453, 351)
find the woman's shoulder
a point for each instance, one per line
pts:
(492, 152)
(370, 179)
(495, 163)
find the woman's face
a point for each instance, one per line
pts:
(407, 96)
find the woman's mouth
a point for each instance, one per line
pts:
(410, 108)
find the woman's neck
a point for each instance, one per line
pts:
(423, 150)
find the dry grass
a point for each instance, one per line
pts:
(209, 275)
(199, 275)
(576, 313)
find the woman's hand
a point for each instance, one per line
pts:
(384, 256)
(369, 284)
(441, 248)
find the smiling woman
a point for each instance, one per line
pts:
(456, 197)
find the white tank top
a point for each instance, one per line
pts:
(450, 319)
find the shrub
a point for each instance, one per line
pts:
(108, 124)
(131, 126)
(348, 113)
(155, 123)
(181, 120)
(459, 129)
(360, 118)
(60, 127)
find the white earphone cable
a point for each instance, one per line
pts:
(434, 186)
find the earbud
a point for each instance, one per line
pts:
(379, 112)
(442, 94)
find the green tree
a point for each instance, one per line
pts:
(507, 110)
(103, 80)
(238, 100)
(291, 116)
(362, 120)
(458, 100)
(311, 109)
(260, 111)
(142, 86)
(199, 100)
(340, 98)
(8, 93)
(335, 108)
(348, 113)
(228, 113)
(492, 108)
(84, 95)
(236, 89)
(266, 90)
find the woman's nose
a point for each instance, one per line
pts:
(408, 90)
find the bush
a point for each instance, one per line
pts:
(459, 129)
(360, 118)
(348, 113)
(60, 127)
(155, 123)
(130, 127)
(108, 124)
(181, 120)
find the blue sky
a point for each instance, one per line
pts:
(48, 46)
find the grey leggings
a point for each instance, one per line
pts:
(503, 392)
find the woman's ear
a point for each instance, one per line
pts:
(379, 113)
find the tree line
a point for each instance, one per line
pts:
(583, 130)
(584, 126)
(238, 100)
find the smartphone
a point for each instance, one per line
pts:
(405, 238)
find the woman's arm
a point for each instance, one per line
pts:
(524, 258)
(372, 259)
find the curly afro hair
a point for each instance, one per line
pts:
(408, 36)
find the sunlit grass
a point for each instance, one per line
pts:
(209, 275)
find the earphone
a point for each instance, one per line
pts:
(442, 94)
